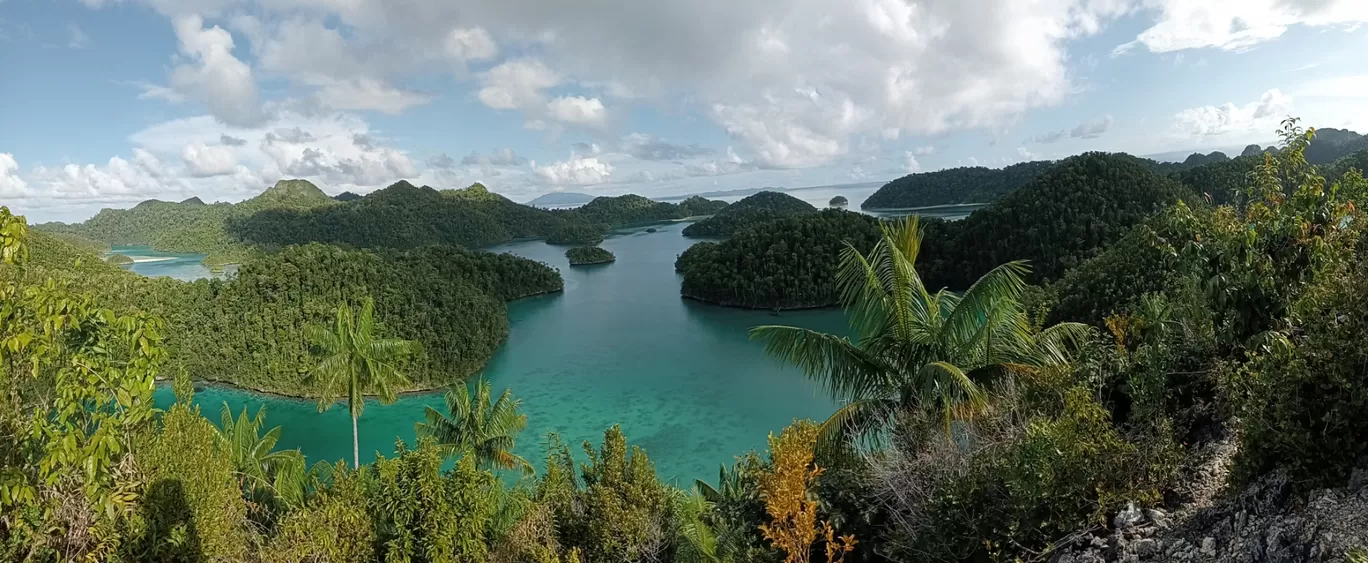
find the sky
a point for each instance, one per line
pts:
(105, 103)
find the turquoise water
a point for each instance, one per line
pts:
(179, 265)
(617, 346)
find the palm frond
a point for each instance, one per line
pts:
(847, 371)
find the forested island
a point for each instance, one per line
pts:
(1127, 370)
(589, 255)
(753, 209)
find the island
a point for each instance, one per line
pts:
(752, 210)
(589, 255)
(838, 202)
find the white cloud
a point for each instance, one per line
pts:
(471, 44)
(11, 185)
(577, 110)
(203, 161)
(369, 94)
(231, 141)
(1092, 129)
(1261, 115)
(1024, 154)
(1238, 24)
(912, 166)
(576, 171)
(516, 84)
(212, 74)
(924, 150)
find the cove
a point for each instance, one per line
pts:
(155, 263)
(618, 346)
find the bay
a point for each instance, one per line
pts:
(183, 266)
(618, 346)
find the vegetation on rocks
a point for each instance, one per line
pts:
(586, 255)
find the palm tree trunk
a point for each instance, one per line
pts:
(356, 447)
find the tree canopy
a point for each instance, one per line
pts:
(753, 209)
(972, 184)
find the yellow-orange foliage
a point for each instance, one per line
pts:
(793, 518)
(784, 488)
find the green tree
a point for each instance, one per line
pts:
(355, 362)
(476, 426)
(930, 352)
(265, 474)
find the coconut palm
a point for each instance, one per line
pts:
(263, 471)
(917, 350)
(475, 425)
(356, 363)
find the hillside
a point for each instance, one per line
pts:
(631, 209)
(192, 225)
(751, 210)
(347, 196)
(782, 264)
(1055, 222)
(975, 184)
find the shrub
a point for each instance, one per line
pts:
(334, 526)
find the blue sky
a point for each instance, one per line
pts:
(105, 103)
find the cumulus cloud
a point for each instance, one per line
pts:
(576, 171)
(203, 161)
(912, 166)
(369, 94)
(646, 147)
(231, 141)
(211, 74)
(1237, 24)
(924, 150)
(577, 110)
(289, 135)
(441, 161)
(516, 84)
(1260, 115)
(472, 44)
(731, 164)
(11, 185)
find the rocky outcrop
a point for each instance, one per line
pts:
(1265, 523)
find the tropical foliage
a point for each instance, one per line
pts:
(478, 427)
(585, 255)
(914, 350)
(751, 210)
(355, 362)
(784, 264)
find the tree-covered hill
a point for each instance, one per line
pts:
(631, 209)
(249, 330)
(974, 184)
(192, 225)
(347, 196)
(758, 208)
(1058, 220)
(783, 264)
(587, 255)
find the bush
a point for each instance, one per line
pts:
(192, 507)
(334, 526)
(1303, 401)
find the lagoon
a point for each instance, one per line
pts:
(618, 346)
(179, 265)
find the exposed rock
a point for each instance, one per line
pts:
(1264, 523)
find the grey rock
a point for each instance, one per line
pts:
(1209, 546)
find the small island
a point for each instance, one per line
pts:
(587, 255)
(839, 202)
(118, 259)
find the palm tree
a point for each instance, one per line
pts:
(261, 470)
(357, 363)
(476, 426)
(917, 350)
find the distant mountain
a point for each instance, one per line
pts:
(743, 192)
(347, 196)
(192, 225)
(560, 199)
